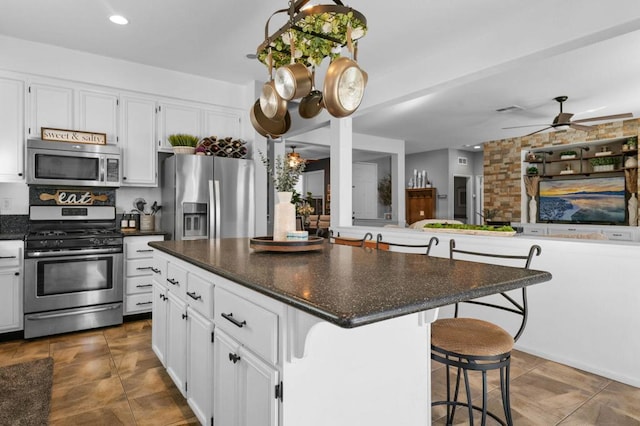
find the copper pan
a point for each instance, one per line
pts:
(266, 126)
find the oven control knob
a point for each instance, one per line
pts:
(59, 243)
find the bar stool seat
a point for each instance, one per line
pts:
(470, 336)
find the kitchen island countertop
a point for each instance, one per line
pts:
(351, 286)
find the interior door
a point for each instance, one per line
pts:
(365, 190)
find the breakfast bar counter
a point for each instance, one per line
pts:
(345, 331)
(350, 286)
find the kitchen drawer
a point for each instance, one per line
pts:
(200, 295)
(138, 284)
(10, 254)
(619, 235)
(160, 269)
(136, 303)
(527, 230)
(253, 326)
(176, 280)
(137, 267)
(138, 247)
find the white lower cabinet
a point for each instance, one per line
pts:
(10, 286)
(177, 341)
(139, 271)
(200, 365)
(244, 386)
(159, 326)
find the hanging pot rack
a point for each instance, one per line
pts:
(300, 21)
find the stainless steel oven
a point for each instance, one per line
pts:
(73, 276)
(71, 164)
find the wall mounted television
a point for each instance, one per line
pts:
(587, 200)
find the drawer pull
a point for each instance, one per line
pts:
(194, 296)
(7, 257)
(172, 281)
(144, 251)
(233, 358)
(143, 303)
(144, 285)
(229, 317)
(144, 268)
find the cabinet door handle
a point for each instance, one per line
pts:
(7, 257)
(194, 296)
(157, 271)
(233, 357)
(163, 297)
(184, 316)
(229, 317)
(143, 303)
(144, 251)
(172, 281)
(144, 285)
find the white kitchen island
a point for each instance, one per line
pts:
(334, 337)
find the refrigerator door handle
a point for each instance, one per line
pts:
(212, 206)
(216, 193)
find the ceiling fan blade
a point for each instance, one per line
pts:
(605, 117)
(528, 125)
(541, 130)
(575, 126)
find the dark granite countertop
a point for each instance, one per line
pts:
(5, 237)
(351, 286)
(138, 233)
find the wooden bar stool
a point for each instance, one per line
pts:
(349, 241)
(470, 344)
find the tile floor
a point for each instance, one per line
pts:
(112, 377)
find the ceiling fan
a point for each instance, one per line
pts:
(564, 119)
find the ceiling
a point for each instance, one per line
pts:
(438, 71)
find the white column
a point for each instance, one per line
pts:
(341, 135)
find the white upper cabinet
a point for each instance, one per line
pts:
(139, 156)
(221, 124)
(177, 118)
(98, 112)
(51, 106)
(12, 134)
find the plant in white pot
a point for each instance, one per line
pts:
(285, 175)
(183, 143)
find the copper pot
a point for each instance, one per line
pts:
(293, 81)
(266, 126)
(271, 104)
(342, 98)
(311, 104)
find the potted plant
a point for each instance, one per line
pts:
(568, 155)
(183, 143)
(604, 164)
(633, 142)
(284, 175)
(384, 192)
(532, 170)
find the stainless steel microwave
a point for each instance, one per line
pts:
(72, 164)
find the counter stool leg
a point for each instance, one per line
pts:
(484, 397)
(468, 389)
(506, 401)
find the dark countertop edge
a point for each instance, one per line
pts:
(7, 237)
(143, 233)
(351, 322)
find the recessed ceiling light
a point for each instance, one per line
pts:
(252, 56)
(477, 147)
(118, 19)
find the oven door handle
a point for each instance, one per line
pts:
(40, 317)
(80, 252)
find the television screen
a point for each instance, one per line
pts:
(583, 200)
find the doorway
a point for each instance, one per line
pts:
(365, 190)
(462, 199)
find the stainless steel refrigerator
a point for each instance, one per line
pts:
(207, 197)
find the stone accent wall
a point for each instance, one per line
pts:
(503, 170)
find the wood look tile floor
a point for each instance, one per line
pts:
(111, 376)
